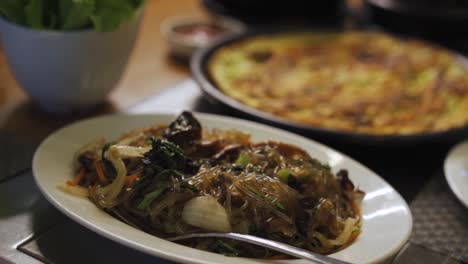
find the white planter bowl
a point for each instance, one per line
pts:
(67, 71)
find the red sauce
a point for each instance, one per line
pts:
(202, 33)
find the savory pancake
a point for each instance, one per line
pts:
(355, 81)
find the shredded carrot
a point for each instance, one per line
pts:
(99, 170)
(77, 178)
(131, 178)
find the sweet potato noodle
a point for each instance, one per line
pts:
(177, 179)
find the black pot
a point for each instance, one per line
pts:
(428, 18)
(275, 12)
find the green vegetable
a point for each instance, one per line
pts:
(258, 231)
(243, 159)
(189, 186)
(75, 14)
(150, 197)
(13, 10)
(224, 248)
(165, 155)
(356, 229)
(109, 14)
(320, 165)
(67, 15)
(105, 148)
(34, 13)
(283, 175)
(280, 205)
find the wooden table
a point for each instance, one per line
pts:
(149, 70)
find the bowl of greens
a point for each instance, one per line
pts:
(68, 54)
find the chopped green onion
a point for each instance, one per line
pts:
(356, 229)
(178, 173)
(317, 163)
(283, 175)
(280, 205)
(224, 248)
(150, 197)
(254, 191)
(189, 186)
(164, 172)
(243, 159)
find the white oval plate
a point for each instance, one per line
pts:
(387, 220)
(456, 171)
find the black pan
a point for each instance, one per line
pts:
(199, 67)
(429, 18)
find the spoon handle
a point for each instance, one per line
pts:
(277, 246)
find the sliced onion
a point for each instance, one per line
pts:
(130, 139)
(344, 237)
(205, 212)
(112, 190)
(115, 154)
(74, 190)
(126, 152)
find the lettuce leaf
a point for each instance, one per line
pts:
(34, 13)
(13, 10)
(75, 14)
(109, 14)
(68, 15)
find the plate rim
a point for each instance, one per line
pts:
(150, 250)
(199, 69)
(450, 177)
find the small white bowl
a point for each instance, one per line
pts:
(187, 34)
(67, 71)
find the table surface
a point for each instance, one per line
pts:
(149, 73)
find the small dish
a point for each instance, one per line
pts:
(456, 171)
(387, 220)
(187, 34)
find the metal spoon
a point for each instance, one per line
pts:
(277, 246)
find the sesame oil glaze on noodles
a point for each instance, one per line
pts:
(176, 179)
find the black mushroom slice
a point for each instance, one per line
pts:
(344, 180)
(184, 129)
(86, 160)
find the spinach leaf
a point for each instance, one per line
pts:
(189, 186)
(75, 14)
(165, 155)
(13, 10)
(102, 15)
(34, 13)
(224, 248)
(110, 14)
(150, 197)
